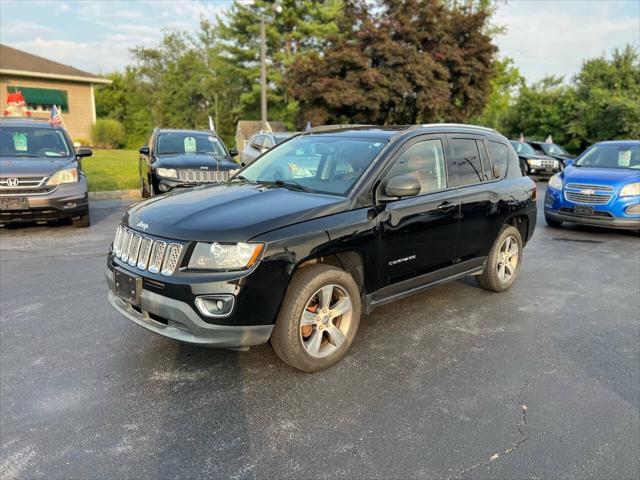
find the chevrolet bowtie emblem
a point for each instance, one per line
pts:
(587, 191)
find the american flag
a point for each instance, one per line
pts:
(55, 118)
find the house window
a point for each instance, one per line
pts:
(42, 99)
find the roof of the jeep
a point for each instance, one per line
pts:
(386, 132)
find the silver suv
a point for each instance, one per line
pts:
(260, 143)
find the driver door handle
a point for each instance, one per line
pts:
(447, 207)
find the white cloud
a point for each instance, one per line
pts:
(555, 37)
(25, 29)
(62, 7)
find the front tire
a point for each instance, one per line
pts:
(551, 222)
(83, 221)
(503, 263)
(318, 319)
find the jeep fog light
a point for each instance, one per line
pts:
(215, 305)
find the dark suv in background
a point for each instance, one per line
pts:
(40, 174)
(183, 158)
(319, 230)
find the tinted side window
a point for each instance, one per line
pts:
(465, 167)
(499, 158)
(425, 162)
(486, 166)
(257, 141)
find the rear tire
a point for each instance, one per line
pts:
(144, 193)
(503, 263)
(551, 222)
(84, 220)
(318, 319)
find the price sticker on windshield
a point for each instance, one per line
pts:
(624, 158)
(20, 142)
(189, 145)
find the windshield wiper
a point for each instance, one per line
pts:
(292, 185)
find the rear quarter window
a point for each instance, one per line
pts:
(499, 154)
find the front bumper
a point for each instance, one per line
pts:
(610, 215)
(68, 200)
(177, 320)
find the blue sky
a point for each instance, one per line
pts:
(543, 36)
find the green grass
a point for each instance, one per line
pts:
(112, 170)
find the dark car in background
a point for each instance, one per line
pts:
(552, 150)
(41, 178)
(183, 158)
(533, 163)
(320, 230)
(260, 143)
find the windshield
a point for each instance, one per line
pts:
(523, 148)
(281, 137)
(172, 143)
(553, 149)
(33, 142)
(321, 164)
(611, 156)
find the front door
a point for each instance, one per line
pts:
(419, 234)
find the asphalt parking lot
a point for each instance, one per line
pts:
(541, 381)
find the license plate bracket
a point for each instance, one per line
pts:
(584, 211)
(127, 286)
(15, 203)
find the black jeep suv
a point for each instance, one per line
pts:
(320, 230)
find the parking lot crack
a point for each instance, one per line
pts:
(521, 426)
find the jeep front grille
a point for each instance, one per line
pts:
(203, 176)
(145, 253)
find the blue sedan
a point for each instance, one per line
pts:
(600, 188)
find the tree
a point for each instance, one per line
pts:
(388, 67)
(504, 87)
(296, 26)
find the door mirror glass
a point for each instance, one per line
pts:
(233, 152)
(144, 150)
(84, 152)
(402, 186)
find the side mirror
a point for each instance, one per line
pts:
(84, 152)
(144, 150)
(233, 152)
(569, 161)
(402, 186)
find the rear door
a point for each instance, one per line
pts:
(470, 171)
(419, 234)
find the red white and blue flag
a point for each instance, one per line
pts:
(55, 118)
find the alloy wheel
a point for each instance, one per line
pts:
(508, 258)
(325, 321)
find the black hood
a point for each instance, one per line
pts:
(233, 212)
(195, 161)
(33, 167)
(529, 156)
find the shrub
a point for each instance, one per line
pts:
(108, 133)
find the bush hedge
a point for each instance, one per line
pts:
(108, 133)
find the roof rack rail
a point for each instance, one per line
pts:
(462, 125)
(324, 128)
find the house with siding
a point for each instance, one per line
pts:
(45, 83)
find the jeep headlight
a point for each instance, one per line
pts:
(630, 190)
(167, 172)
(224, 256)
(555, 182)
(68, 175)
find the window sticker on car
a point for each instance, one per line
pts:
(189, 144)
(20, 142)
(624, 158)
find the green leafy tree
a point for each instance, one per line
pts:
(388, 67)
(504, 88)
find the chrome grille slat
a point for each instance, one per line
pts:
(134, 250)
(203, 176)
(171, 259)
(593, 199)
(157, 254)
(145, 253)
(584, 186)
(126, 244)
